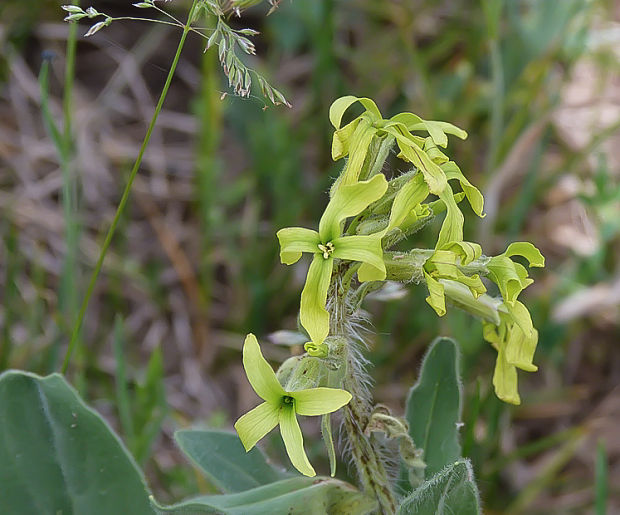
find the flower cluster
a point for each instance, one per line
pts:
(366, 215)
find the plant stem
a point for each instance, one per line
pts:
(368, 460)
(70, 273)
(125, 196)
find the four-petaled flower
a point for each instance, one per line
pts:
(282, 407)
(327, 244)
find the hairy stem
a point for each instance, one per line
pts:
(121, 205)
(365, 453)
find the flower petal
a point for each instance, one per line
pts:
(510, 277)
(359, 143)
(412, 152)
(476, 200)
(318, 401)
(466, 250)
(528, 251)
(341, 141)
(340, 105)
(366, 249)
(294, 241)
(294, 441)
(452, 227)
(312, 313)
(407, 198)
(259, 372)
(349, 200)
(505, 379)
(256, 423)
(436, 298)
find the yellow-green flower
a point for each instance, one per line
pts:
(327, 244)
(515, 340)
(511, 277)
(355, 138)
(282, 407)
(444, 265)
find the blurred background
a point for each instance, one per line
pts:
(194, 265)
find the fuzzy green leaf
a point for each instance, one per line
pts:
(434, 406)
(57, 455)
(220, 455)
(449, 492)
(296, 496)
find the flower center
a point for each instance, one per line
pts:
(326, 249)
(287, 399)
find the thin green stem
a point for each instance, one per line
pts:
(125, 196)
(195, 30)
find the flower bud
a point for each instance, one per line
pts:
(301, 373)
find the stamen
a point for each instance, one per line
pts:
(326, 249)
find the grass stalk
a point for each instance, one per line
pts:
(125, 196)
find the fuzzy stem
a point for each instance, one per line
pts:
(368, 460)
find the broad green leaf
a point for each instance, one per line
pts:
(296, 496)
(434, 406)
(451, 491)
(222, 458)
(57, 455)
